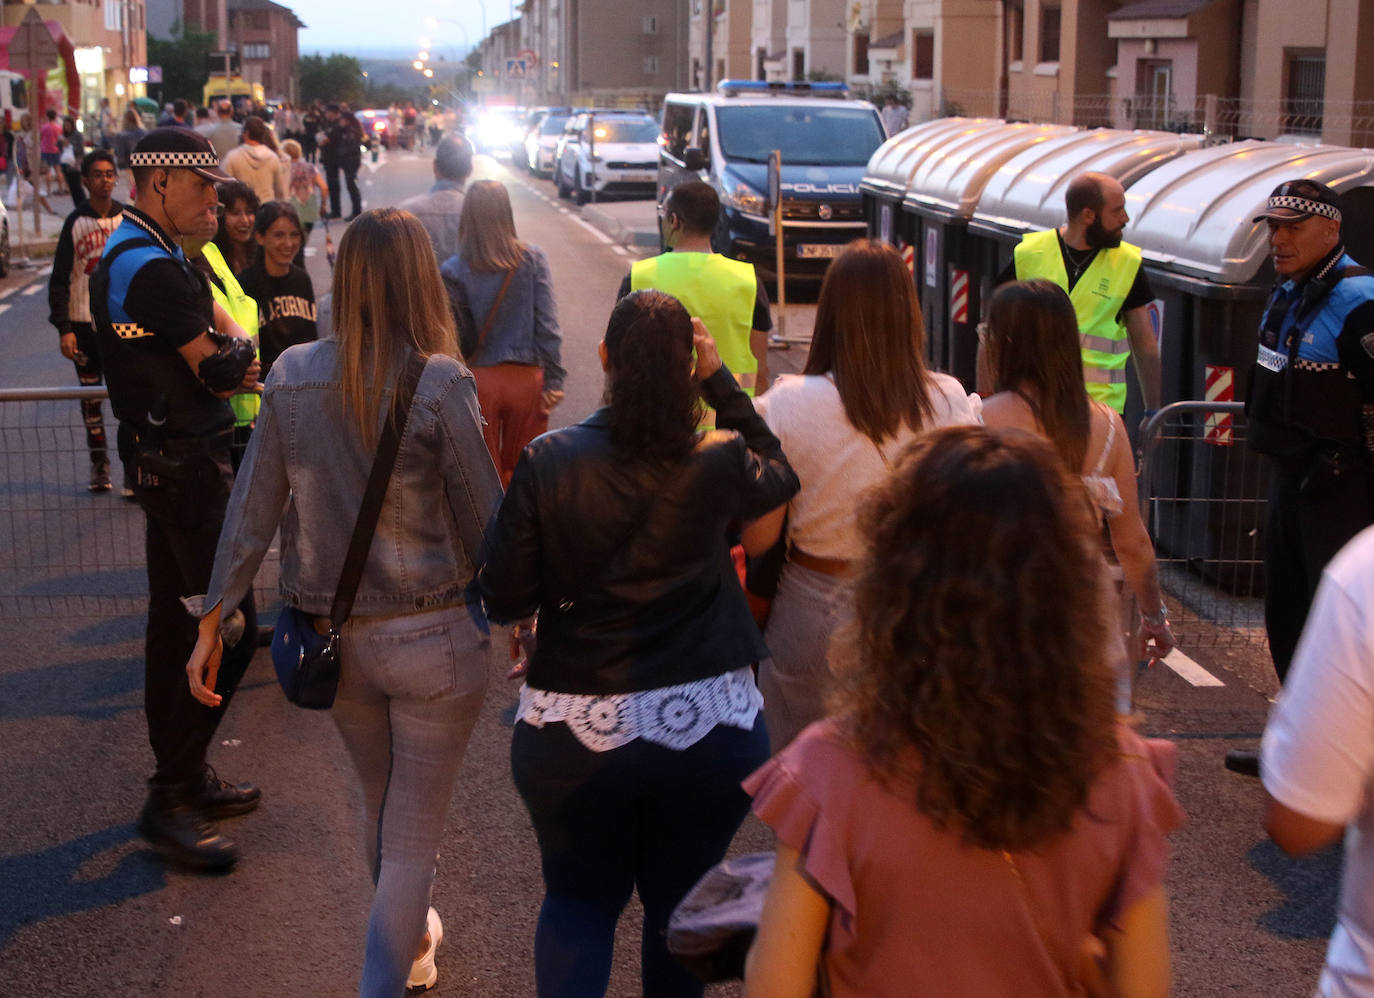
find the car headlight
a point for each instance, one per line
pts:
(747, 200)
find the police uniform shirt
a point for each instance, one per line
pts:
(146, 305)
(1140, 294)
(1333, 372)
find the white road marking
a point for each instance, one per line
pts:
(621, 250)
(594, 230)
(45, 271)
(7, 292)
(34, 288)
(1190, 670)
(4, 309)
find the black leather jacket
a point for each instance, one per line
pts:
(628, 563)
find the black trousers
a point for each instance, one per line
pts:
(181, 553)
(89, 373)
(1308, 522)
(350, 177)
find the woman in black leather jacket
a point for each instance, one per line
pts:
(640, 715)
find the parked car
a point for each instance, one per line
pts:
(825, 140)
(376, 124)
(608, 152)
(542, 141)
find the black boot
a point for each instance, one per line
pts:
(1243, 761)
(176, 825)
(227, 800)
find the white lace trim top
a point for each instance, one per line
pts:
(675, 717)
(1102, 488)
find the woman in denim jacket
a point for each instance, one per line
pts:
(414, 652)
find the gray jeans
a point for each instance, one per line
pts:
(409, 694)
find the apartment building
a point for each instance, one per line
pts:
(108, 38)
(729, 49)
(264, 34)
(591, 51)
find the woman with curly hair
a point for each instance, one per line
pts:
(640, 715)
(1031, 352)
(863, 396)
(972, 820)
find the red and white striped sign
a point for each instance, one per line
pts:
(958, 296)
(1220, 387)
(909, 258)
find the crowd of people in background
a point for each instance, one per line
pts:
(938, 671)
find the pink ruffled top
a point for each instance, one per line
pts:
(916, 912)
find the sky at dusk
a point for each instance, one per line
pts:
(395, 27)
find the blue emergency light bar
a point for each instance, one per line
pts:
(731, 88)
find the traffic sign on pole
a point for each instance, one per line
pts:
(515, 69)
(32, 48)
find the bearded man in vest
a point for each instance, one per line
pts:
(725, 294)
(1310, 406)
(1104, 280)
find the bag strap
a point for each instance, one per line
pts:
(495, 307)
(382, 464)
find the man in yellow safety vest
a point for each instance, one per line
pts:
(1104, 280)
(725, 294)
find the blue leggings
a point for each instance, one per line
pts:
(639, 816)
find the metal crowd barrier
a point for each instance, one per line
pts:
(1202, 493)
(66, 551)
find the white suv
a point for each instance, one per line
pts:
(609, 152)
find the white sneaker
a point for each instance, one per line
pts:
(423, 973)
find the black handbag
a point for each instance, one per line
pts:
(306, 659)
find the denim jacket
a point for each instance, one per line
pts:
(306, 469)
(525, 330)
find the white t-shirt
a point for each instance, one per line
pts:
(835, 462)
(1317, 757)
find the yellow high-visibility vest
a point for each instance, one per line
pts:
(243, 310)
(719, 291)
(1097, 299)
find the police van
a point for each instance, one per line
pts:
(725, 138)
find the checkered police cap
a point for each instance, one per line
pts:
(179, 148)
(1294, 200)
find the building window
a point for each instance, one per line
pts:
(257, 50)
(860, 54)
(114, 11)
(651, 65)
(759, 56)
(1016, 31)
(923, 55)
(1306, 94)
(798, 64)
(1050, 21)
(649, 25)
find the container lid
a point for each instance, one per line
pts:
(1027, 193)
(892, 165)
(1194, 214)
(951, 181)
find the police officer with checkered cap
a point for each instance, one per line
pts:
(1310, 407)
(172, 357)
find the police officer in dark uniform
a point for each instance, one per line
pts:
(171, 358)
(1310, 408)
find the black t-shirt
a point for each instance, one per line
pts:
(286, 310)
(1140, 294)
(151, 385)
(763, 319)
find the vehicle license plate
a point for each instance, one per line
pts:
(640, 178)
(819, 251)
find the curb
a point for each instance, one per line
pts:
(624, 235)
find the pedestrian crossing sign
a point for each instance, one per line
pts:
(515, 68)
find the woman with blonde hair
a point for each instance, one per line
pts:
(972, 819)
(413, 654)
(863, 396)
(502, 290)
(1031, 353)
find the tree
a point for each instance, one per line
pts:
(184, 62)
(336, 77)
